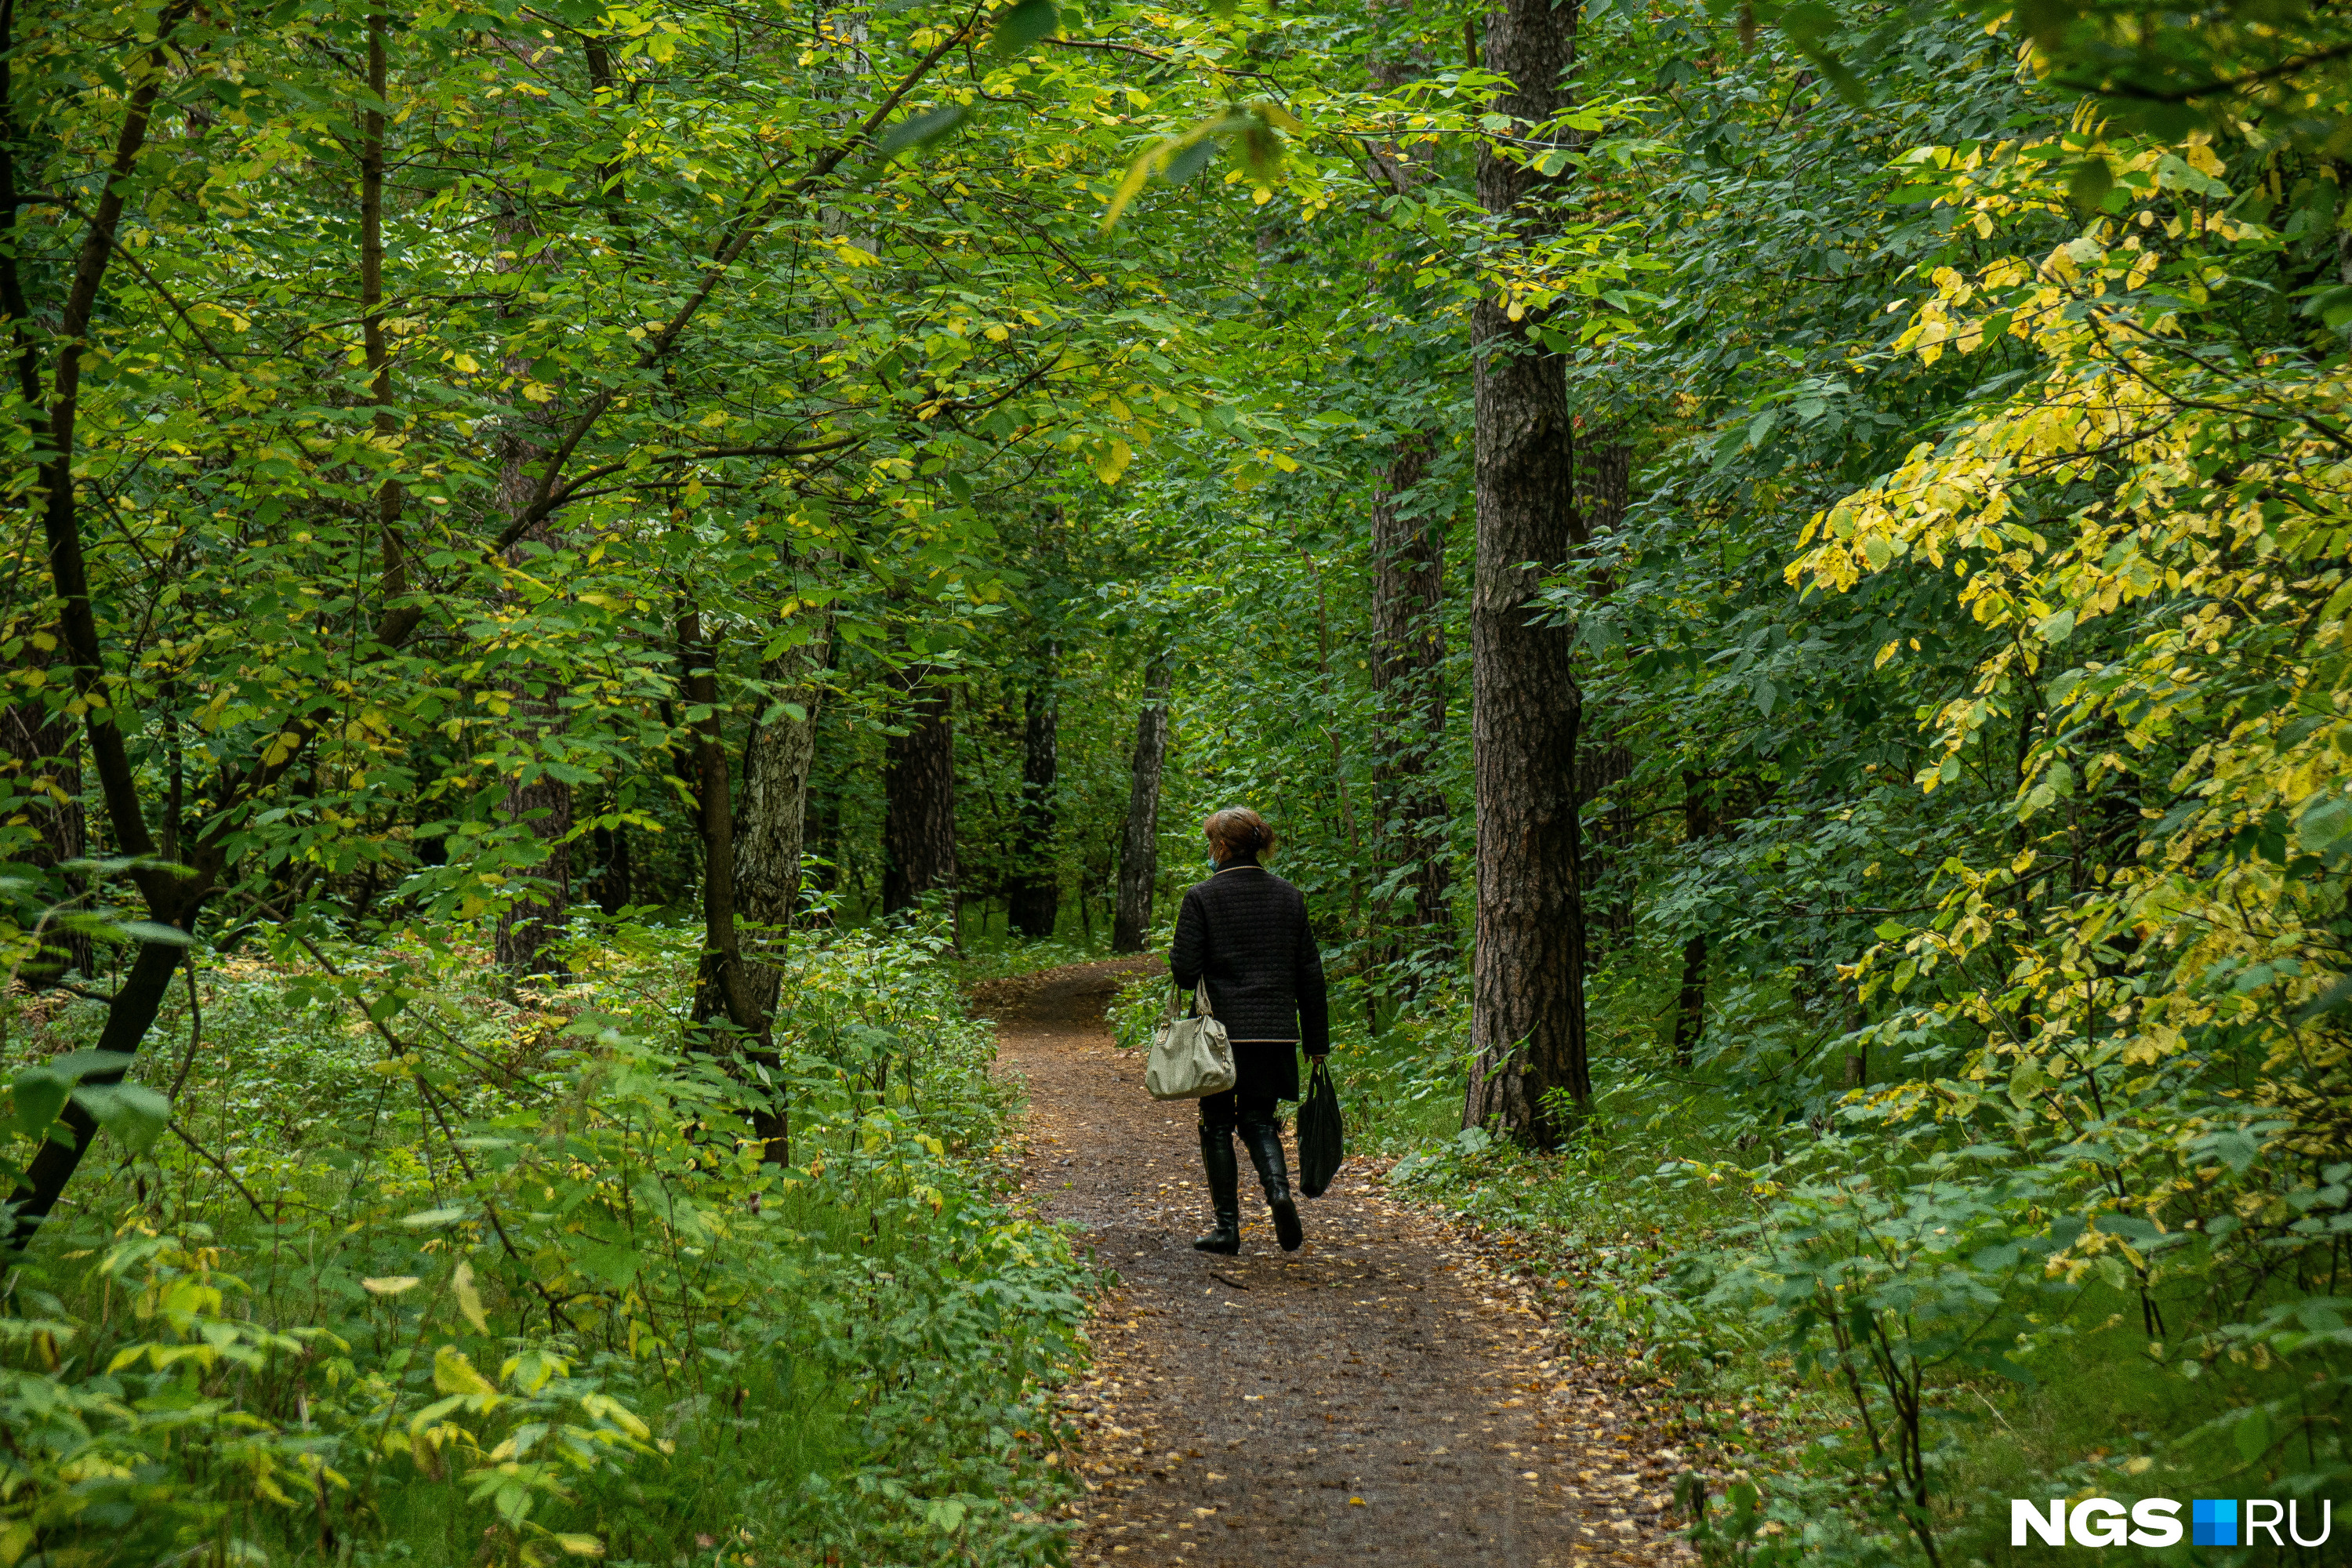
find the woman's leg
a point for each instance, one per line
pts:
(1217, 1116)
(1261, 1129)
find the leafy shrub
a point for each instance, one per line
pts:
(454, 1280)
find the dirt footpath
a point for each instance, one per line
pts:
(1378, 1396)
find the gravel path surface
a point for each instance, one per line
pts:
(1379, 1396)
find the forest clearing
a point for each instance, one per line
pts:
(646, 646)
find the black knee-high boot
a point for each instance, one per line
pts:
(1264, 1141)
(1224, 1190)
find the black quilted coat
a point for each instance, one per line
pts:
(1244, 930)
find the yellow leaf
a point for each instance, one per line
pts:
(453, 1373)
(581, 1545)
(391, 1284)
(470, 1300)
(618, 1413)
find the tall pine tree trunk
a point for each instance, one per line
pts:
(1139, 850)
(1528, 978)
(918, 835)
(1408, 653)
(1035, 895)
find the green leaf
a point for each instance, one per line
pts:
(2332, 306)
(606, 1263)
(922, 129)
(132, 1112)
(39, 1094)
(77, 1066)
(1021, 26)
(154, 931)
(2090, 184)
(2253, 1434)
(1189, 163)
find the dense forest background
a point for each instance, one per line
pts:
(572, 571)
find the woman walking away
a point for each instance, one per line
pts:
(1244, 932)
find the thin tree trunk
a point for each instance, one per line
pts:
(612, 879)
(722, 974)
(919, 825)
(1139, 854)
(1527, 1034)
(824, 838)
(529, 928)
(1408, 656)
(1690, 1004)
(770, 819)
(1603, 488)
(173, 897)
(51, 413)
(1603, 764)
(1035, 894)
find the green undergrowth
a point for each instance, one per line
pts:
(421, 1274)
(1856, 1329)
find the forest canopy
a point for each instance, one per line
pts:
(571, 573)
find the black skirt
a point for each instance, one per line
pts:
(1266, 1069)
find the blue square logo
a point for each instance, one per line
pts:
(2213, 1521)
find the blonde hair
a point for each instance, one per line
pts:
(1237, 830)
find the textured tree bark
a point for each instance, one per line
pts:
(722, 974)
(919, 832)
(1138, 852)
(1035, 897)
(1690, 1003)
(1604, 479)
(1407, 655)
(770, 820)
(529, 928)
(1527, 1034)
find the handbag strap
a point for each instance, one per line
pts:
(1200, 1002)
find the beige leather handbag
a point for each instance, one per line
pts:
(1190, 1057)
